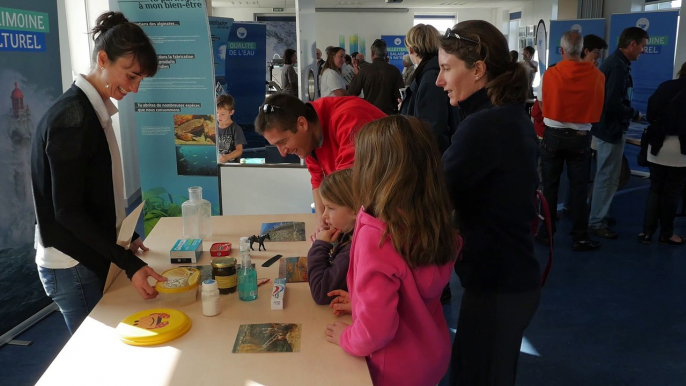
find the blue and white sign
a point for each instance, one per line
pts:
(175, 110)
(246, 61)
(656, 64)
(583, 26)
(396, 49)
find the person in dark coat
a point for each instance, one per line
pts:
(667, 157)
(491, 177)
(423, 99)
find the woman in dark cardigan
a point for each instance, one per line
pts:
(490, 170)
(667, 157)
(77, 178)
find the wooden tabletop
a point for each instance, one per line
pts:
(95, 355)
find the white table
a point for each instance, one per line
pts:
(96, 356)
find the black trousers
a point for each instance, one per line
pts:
(574, 148)
(489, 336)
(666, 184)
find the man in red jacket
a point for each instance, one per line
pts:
(322, 133)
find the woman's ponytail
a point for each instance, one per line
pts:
(512, 86)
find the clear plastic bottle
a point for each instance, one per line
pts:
(247, 276)
(210, 298)
(197, 214)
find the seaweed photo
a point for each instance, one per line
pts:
(268, 337)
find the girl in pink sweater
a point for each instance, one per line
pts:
(402, 255)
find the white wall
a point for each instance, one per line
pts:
(248, 14)
(488, 14)
(681, 41)
(567, 9)
(535, 10)
(367, 25)
(65, 59)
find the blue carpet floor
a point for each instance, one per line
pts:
(614, 316)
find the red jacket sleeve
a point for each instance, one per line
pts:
(316, 172)
(375, 289)
(348, 124)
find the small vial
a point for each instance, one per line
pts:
(210, 298)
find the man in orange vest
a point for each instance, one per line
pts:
(573, 95)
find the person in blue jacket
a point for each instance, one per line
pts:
(610, 132)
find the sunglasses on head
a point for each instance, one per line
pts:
(450, 34)
(268, 109)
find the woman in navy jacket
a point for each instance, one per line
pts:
(490, 170)
(423, 99)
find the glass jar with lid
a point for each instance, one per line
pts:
(224, 272)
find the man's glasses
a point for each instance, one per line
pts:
(450, 34)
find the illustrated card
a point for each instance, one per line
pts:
(268, 337)
(294, 269)
(284, 231)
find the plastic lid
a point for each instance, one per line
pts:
(223, 262)
(151, 327)
(210, 285)
(179, 280)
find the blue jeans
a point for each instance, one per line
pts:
(76, 291)
(606, 181)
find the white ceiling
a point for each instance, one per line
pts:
(444, 4)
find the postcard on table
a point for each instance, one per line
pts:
(128, 226)
(294, 269)
(284, 231)
(268, 337)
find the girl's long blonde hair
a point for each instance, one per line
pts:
(337, 187)
(398, 179)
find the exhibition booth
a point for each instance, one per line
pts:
(174, 114)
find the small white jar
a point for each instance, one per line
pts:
(210, 298)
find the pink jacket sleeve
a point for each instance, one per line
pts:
(376, 283)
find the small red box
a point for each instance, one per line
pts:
(220, 249)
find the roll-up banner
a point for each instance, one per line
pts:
(396, 49)
(246, 62)
(30, 80)
(175, 110)
(220, 27)
(541, 46)
(656, 64)
(583, 26)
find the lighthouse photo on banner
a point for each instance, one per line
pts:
(30, 80)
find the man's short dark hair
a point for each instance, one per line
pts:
(530, 50)
(354, 55)
(593, 42)
(282, 111)
(631, 34)
(379, 49)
